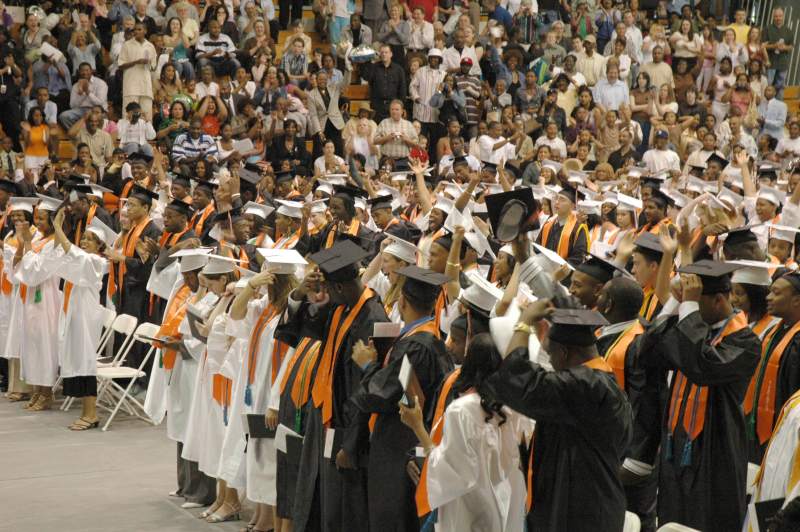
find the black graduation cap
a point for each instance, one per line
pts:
(696, 171)
(286, 175)
(139, 157)
(740, 235)
(181, 207)
(421, 284)
(9, 186)
(461, 159)
(180, 179)
(81, 189)
(599, 268)
(381, 202)
(471, 321)
(208, 185)
(233, 214)
(340, 262)
(511, 212)
(143, 194)
(662, 199)
(716, 275)
(715, 158)
(513, 171)
(402, 164)
(769, 173)
(348, 192)
(301, 170)
(489, 167)
(575, 326)
(649, 245)
(249, 176)
(793, 278)
(569, 193)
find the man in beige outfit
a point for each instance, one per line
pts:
(137, 60)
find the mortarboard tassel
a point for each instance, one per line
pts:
(37, 295)
(686, 457)
(248, 396)
(225, 415)
(298, 420)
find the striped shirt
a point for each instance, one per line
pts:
(470, 86)
(185, 146)
(396, 148)
(423, 86)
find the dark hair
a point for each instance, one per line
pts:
(757, 296)
(482, 361)
(33, 110)
(627, 294)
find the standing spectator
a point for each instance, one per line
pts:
(295, 62)
(121, 9)
(591, 64)
(81, 50)
(454, 55)
(778, 42)
(387, 82)
(658, 71)
(140, 15)
(470, 86)
(217, 49)
(10, 92)
(53, 74)
(87, 92)
(605, 22)
(33, 35)
(356, 33)
(425, 83)
(421, 31)
(772, 113)
(137, 60)
(740, 27)
(135, 131)
(396, 135)
(325, 117)
(611, 92)
(35, 133)
(395, 32)
(176, 40)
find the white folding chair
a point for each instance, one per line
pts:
(106, 376)
(676, 527)
(752, 471)
(109, 315)
(632, 523)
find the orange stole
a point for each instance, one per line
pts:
(176, 311)
(199, 219)
(615, 354)
(168, 239)
(436, 437)
(221, 388)
(116, 274)
(322, 392)
(266, 316)
(794, 478)
(564, 239)
(355, 225)
(429, 327)
(7, 287)
(763, 387)
(654, 228)
(301, 387)
(649, 304)
(694, 405)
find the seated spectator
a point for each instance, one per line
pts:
(88, 130)
(190, 147)
(217, 50)
(135, 131)
(295, 62)
(87, 92)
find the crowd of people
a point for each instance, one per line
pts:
(542, 277)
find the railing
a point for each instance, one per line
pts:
(759, 13)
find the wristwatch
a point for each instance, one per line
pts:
(523, 327)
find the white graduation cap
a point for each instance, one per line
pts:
(317, 206)
(680, 200)
(444, 204)
(244, 276)
(629, 203)
(360, 203)
(730, 197)
(46, 203)
(492, 188)
(336, 179)
(507, 249)
(453, 189)
(217, 264)
(324, 186)
(635, 172)
(402, 249)
(552, 165)
(606, 186)
(292, 209)
(399, 177)
(576, 176)
(589, 206)
(554, 259)
(282, 261)
(480, 293)
(716, 203)
(257, 209)
(661, 175)
(386, 190)
(752, 272)
(17, 203)
(477, 208)
(610, 197)
(772, 195)
(192, 259)
(782, 232)
(98, 191)
(106, 235)
(734, 178)
(588, 193)
(695, 184)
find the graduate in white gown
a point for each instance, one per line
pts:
(20, 210)
(473, 477)
(212, 399)
(777, 478)
(81, 322)
(257, 316)
(34, 266)
(380, 275)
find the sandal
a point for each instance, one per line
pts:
(217, 518)
(33, 400)
(248, 528)
(16, 397)
(210, 511)
(42, 403)
(84, 424)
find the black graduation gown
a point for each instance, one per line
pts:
(313, 243)
(787, 382)
(583, 426)
(288, 464)
(708, 493)
(328, 499)
(578, 247)
(135, 299)
(391, 494)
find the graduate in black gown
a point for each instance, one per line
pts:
(713, 353)
(392, 507)
(344, 226)
(332, 487)
(583, 422)
(619, 301)
(563, 233)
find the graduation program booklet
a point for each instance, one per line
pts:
(383, 336)
(410, 383)
(257, 427)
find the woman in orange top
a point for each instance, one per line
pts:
(35, 136)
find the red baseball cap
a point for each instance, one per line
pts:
(466, 61)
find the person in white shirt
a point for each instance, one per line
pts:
(558, 148)
(216, 49)
(425, 83)
(135, 131)
(790, 147)
(494, 147)
(137, 60)
(660, 157)
(421, 37)
(206, 86)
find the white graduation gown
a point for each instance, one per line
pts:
(80, 328)
(199, 396)
(381, 285)
(473, 474)
(39, 340)
(11, 308)
(231, 462)
(181, 385)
